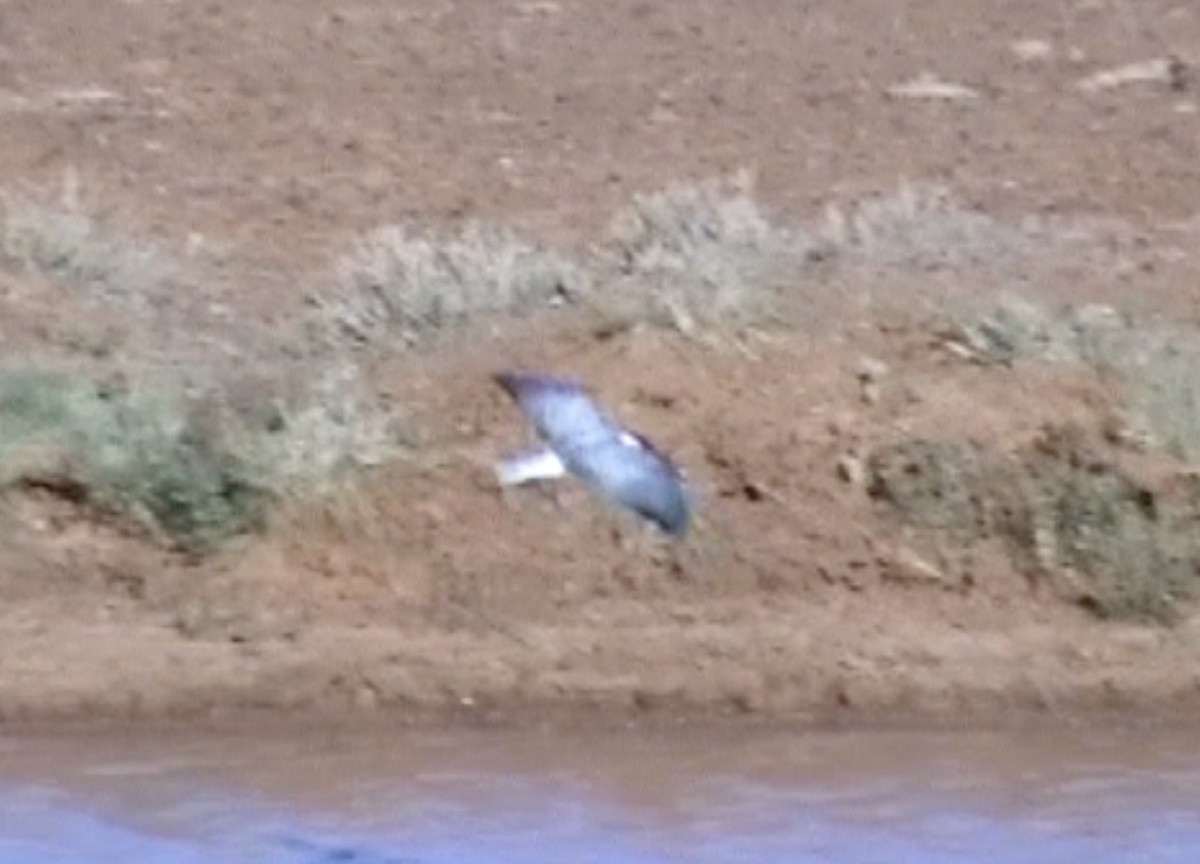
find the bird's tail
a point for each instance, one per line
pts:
(542, 464)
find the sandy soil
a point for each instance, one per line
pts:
(262, 134)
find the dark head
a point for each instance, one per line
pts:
(510, 382)
(522, 385)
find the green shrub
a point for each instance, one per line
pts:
(1108, 530)
(131, 455)
(1066, 516)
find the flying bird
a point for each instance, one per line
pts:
(581, 440)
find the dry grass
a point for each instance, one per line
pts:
(694, 256)
(336, 427)
(922, 226)
(702, 255)
(706, 255)
(399, 284)
(1166, 392)
(1156, 364)
(67, 246)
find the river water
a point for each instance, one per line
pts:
(617, 797)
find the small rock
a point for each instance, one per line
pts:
(433, 514)
(850, 469)
(366, 698)
(1031, 50)
(907, 566)
(1160, 70)
(870, 369)
(540, 7)
(842, 424)
(929, 86)
(1122, 429)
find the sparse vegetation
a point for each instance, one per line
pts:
(703, 254)
(1134, 562)
(1166, 392)
(190, 471)
(1096, 335)
(173, 456)
(935, 484)
(688, 256)
(1157, 365)
(399, 284)
(336, 426)
(197, 470)
(1068, 516)
(133, 455)
(68, 247)
(921, 226)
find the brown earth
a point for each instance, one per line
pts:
(260, 135)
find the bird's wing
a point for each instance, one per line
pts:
(561, 411)
(617, 464)
(638, 478)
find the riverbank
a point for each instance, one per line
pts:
(925, 347)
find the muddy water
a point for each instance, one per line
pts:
(617, 797)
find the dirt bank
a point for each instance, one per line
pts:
(816, 585)
(424, 588)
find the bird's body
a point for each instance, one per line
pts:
(582, 440)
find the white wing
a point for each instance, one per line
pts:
(527, 467)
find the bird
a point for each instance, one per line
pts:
(581, 440)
